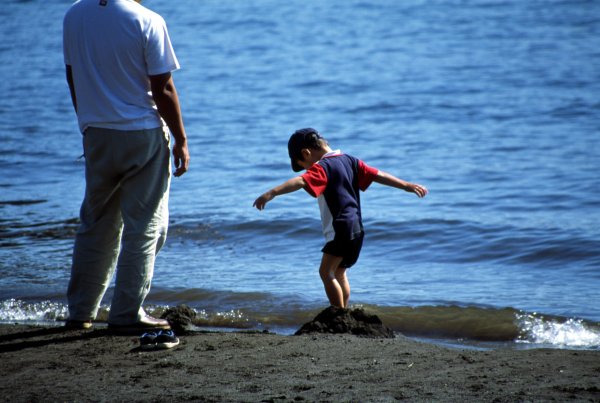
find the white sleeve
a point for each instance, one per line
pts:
(159, 53)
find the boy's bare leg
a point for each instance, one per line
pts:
(333, 289)
(342, 279)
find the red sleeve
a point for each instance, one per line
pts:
(316, 180)
(366, 175)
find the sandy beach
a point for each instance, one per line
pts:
(52, 364)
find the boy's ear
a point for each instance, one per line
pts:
(305, 153)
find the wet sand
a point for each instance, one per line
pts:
(51, 364)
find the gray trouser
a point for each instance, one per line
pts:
(124, 220)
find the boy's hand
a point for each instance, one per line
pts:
(288, 186)
(417, 189)
(263, 199)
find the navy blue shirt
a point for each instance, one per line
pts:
(335, 181)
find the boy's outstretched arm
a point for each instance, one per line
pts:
(390, 180)
(289, 186)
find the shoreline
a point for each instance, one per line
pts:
(42, 363)
(450, 343)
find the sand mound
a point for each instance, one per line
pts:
(180, 318)
(350, 321)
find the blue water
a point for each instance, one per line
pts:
(493, 105)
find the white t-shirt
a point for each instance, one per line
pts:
(112, 49)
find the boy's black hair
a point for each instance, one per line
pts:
(301, 139)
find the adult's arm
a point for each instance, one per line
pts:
(167, 103)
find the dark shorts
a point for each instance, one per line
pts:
(349, 250)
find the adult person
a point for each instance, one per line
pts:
(119, 59)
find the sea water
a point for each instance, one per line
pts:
(493, 105)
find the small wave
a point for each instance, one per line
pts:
(21, 202)
(504, 244)
(195, 232)
(557, 332)
(381, 106)
(494, 325)
(441, 240)
(456, 322)
(65, 229)
(14, 310)
(463, 324)
(575, 109)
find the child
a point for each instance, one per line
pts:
(335, 179)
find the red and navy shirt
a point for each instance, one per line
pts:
(335, 181)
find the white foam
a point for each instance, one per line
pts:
(570, 333)
(17, 310)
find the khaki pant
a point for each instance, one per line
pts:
(124, 220)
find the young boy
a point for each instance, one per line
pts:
(335, 179)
